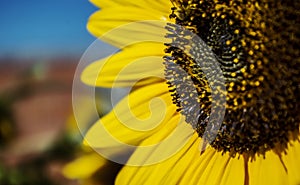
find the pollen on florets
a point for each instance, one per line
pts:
(256, 46)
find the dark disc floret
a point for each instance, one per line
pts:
(256, 44)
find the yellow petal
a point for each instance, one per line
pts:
(212, 168)
(104, 3)
(122, 26)
(268, 170)
(162, 5)
(172, 137)
(292, 162)
(219, 169)
(140, 62)
(135, 118)
(185, 167)
(84, 166)
(152, 174)
(234, 172)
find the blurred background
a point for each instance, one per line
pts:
(41, 43)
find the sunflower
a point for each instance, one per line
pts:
(214, 91)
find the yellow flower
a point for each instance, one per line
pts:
(168, 128)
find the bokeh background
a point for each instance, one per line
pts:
(41, 43)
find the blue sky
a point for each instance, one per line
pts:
(44, 28)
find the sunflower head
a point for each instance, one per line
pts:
(255, 46)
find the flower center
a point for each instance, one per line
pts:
(256, 46)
